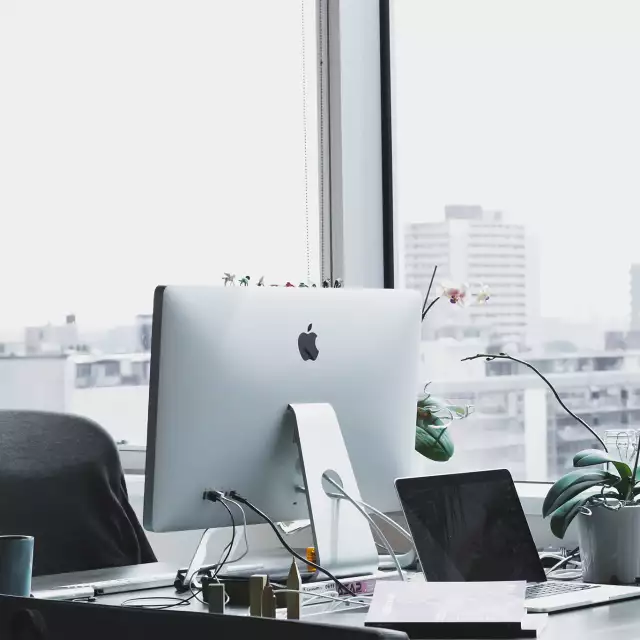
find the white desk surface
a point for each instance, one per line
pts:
(621, 619)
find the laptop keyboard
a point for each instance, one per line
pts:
(544, 589)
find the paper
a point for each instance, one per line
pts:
(448, 602)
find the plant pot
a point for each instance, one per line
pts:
(610, 545)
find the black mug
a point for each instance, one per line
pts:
(16, 562)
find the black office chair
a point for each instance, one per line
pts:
(61, 481)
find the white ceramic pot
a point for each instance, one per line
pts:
(610, 545)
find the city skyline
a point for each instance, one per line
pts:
(529, 108)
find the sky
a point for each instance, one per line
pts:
(154, 141)
(531, 107)
(147, 142)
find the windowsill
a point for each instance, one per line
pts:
(531, 494)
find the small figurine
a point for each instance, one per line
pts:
(313, 286)
(244, 282)
(303, 285)
(289, 285)
(261, 281)
(326, 283)
(229, 278)
(338, 283)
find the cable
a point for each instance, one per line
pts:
(388, 520)
(283, 542)
(244, 530)
(314, 596)
(181, 602)
(573, 554)
(221, 562)
(370, 520)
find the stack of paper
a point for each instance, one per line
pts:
(450, 609)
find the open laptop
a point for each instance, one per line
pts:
(471, 527)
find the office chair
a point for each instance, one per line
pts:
(61, 481)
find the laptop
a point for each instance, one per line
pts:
(31, 619)
(96, 582)
(471, 527)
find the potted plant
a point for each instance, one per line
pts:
(601, 492)
(435, 415)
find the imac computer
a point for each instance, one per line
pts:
(261, 390)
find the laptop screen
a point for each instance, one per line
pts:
(470, 527)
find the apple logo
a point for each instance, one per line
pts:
(307, 345)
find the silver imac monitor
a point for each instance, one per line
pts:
(227, 361)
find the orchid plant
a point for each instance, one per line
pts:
(435, 415)
(588, 485)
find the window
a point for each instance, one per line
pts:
(515, 131)
(144, 142)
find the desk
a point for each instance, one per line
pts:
(621, 619)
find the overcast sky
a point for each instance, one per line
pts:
(151, 141)
(146, 142)
(532, 107)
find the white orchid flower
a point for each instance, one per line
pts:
(483, 294)
(455, 293)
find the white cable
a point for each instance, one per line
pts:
(388, 520)
(406, 559)
(314, 596)
(562, 562)
(387, 562)
(372, 522)
(244, 529)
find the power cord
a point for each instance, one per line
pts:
(215, 496)
(138, 603)
(221, 563)
(371, 522)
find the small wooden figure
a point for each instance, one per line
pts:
(268, 602)
(294, 583)
(244, 282)
(257, 584)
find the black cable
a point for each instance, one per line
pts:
(233, 539)
(284, 543)
(181, 602)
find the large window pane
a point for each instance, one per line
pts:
(516, 132)
(144, 142)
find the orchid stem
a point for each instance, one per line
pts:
(426, 299)
(632, 484)
(504, 356)
(424, 313)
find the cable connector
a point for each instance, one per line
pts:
(212, 495)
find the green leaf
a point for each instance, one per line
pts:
(572, 484)
(434, 443)
(562, 517)
(589, 457)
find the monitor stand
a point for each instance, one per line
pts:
(342, 537)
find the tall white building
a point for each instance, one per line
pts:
(476, 246)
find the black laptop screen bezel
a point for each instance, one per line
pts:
(533, 570)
